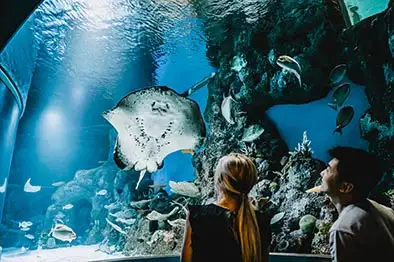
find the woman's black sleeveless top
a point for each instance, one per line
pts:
(212, 235)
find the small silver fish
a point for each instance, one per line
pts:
(25, 224)
(3, 186)
(339, 96)
(113, 206)
(128, 222)
(63, 233)
(102, 192)
(25, 228)
(60, 183)
(116, 227)
(226, 109)
(344, 117)
(68, 206)
(337, 74)
(290, 64)
(252, 133)
(29, 236)
(29, 188)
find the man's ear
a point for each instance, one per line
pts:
(346, 187)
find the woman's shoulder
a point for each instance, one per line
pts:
(206, 210)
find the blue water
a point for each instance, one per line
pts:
(368, 7)
(180, 71)
(319, 120)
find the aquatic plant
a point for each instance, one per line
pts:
(303, 149)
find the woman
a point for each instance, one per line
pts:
(229, 229)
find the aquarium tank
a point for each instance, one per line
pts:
(114, 114)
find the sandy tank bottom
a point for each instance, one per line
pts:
(66, 254)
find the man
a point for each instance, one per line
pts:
(364, 230)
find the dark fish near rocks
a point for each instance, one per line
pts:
(337, 74)
(344, 117)
(339, 96)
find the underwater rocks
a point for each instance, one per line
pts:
(368, 53)
(248, 70)
(300, 208)
(312, 34)
(89, 192)
(224, 138)
(306, 31)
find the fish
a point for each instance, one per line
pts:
(152, 123)
(25, 228)
(354, 14)
(60, 183)
(29, 236)
(3, 186)
(344, 117)
(128, 222)
(113, 205)
(68, 206)
(59, 221)
(141, 203)
(25, 224)
(337, 74)
(316, 189)
(29, 188)
(126, 214)
(102, 192)
(339, 96)
(238, 63)
(116, 227)
(252, 133)
(188, 151)
(226, 107)
(154, 215)
(290, 64)
(203, 82)
(158, 186)
(284, 160)
(180, 222)
(184, 188)
(63, 233)
(277, 217)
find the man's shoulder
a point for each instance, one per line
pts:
(351, 220)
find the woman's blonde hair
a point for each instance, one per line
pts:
(235, 175)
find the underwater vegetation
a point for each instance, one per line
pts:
(286, 53)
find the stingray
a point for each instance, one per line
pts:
(151, 124)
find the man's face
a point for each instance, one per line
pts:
(330, 181)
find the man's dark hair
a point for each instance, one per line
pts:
(358, 167)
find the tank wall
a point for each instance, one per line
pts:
(9, 118)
